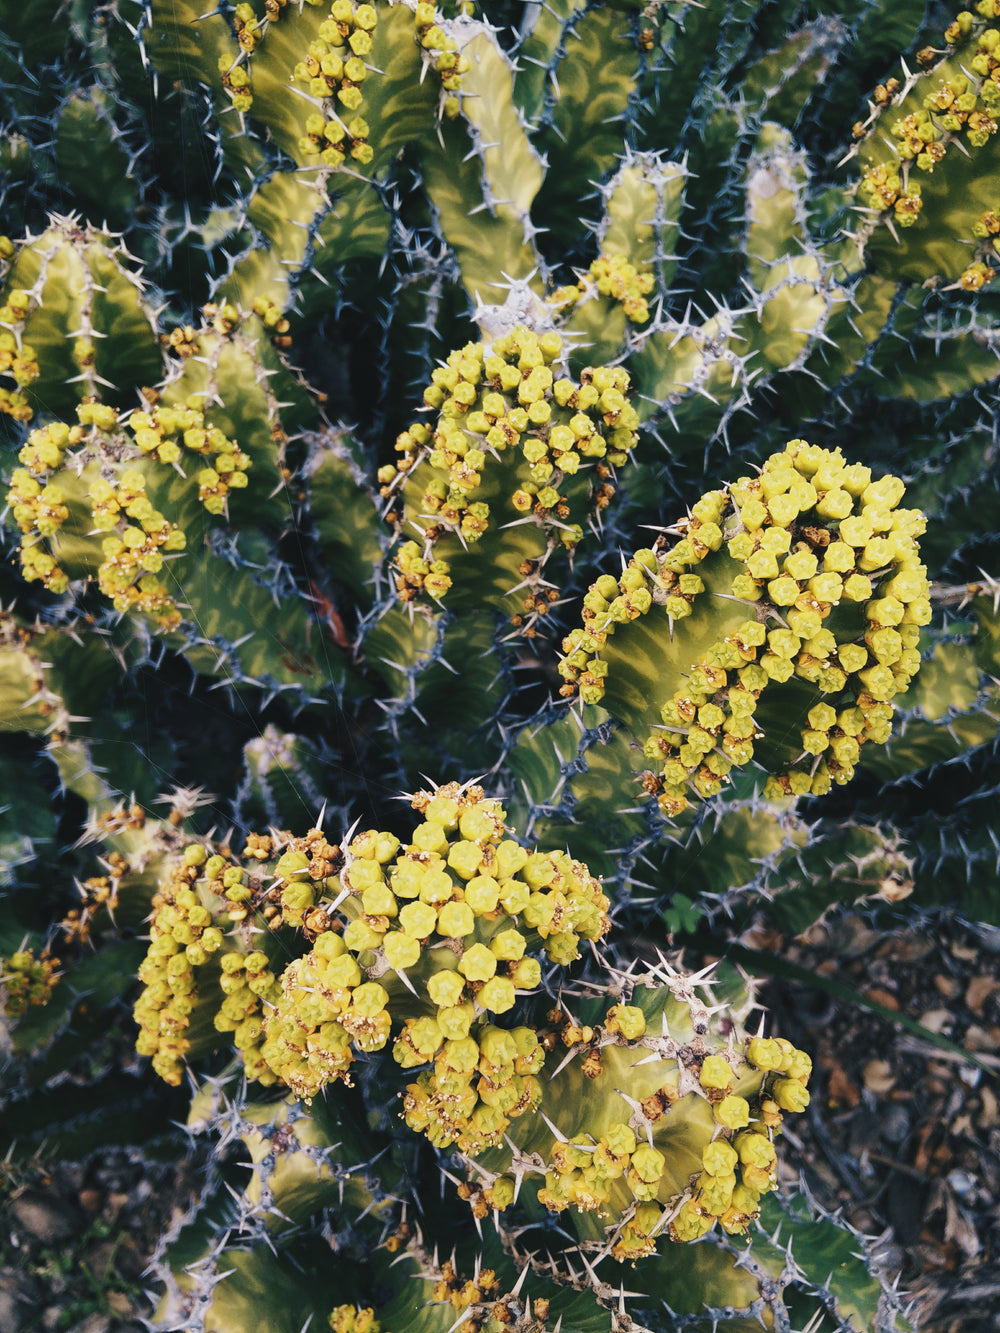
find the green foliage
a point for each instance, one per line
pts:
(361, 366)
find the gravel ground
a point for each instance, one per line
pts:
(76, 1238)
(901, 1137)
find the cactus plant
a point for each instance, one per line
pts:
(361, 368)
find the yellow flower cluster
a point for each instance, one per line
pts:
(273, 320)
(811, 535)
(250, 31)
(334, 70)
(18, 359)
(354, 1319)
(443, 51)
(613, 276)
(738, 1166)
(503, 401)
(458, 912)
(961, 109)
(482, 1305)
(26, 980)
(202, 897)
(626, 1169)
(184, 936)
(134, 553)
(163, 432)
(882, 188)
(38, 505)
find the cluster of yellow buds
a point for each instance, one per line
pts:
(443, 51)
(37, 508)
(738, 1166)
(613, 276)
(236, 80)
(46, 447)
(457, 912)
(182, 340)
(250, 30)
(456, 917)
(16, 308)
(322, 1005)
(985, 228)
(273, 320)
(18, 359)
(208, 895)
(976, 276)
(249, 987)
(808, 536)
(203, 898)
(504, 402)
(334, 70)
(631, 1160)
(184, 936)
(26, 980)
(224, 317)
(38, 505)
(961, 108)
(483, 1303)
(416, 575)
(161, 432)
(882, 188)
(354, 1319)
(134, 555)
(100, 892)
(15, 405)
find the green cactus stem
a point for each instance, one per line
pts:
(650, 1126)
(813, 547)
(519, 460)
(928, 154)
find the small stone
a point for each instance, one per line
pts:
(878, 1076)
(98, 1322)
(895, 1124)
(19, 1297)
(979, 991)
(982, 1039)
(936, 1020)
(11, 1317)
(44, 1219)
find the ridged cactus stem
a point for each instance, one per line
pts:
(649, 1126)
(777, 629)
(519, 460)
